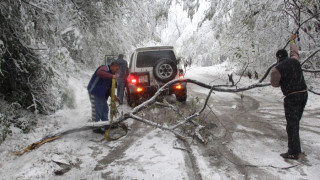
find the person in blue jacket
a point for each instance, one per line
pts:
(99, 89)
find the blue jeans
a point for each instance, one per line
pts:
(99, 108)
(121, 82)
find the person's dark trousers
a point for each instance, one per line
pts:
(121, 83)
(294, 106)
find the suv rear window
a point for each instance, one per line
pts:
(150, 58)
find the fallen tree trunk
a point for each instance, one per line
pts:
(133, 114)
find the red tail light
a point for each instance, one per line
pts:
(178, 87)
(132, 79)
(181, 76)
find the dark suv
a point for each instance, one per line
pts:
(149, 69)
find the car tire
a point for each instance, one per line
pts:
(182, 97)
(165, 70)
(132, 101)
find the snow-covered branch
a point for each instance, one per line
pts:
(310, 56)
(311, 71)
(133, 114)
(267, 72)
(38, 7)
(300, 24)
(317, 93)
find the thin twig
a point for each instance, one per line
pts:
(194, 114)
(311, 71)
(228, 132)
(317, 93)
(40, 8)
(299, 26)
(181, 148)
(246, 66)
(310, 56)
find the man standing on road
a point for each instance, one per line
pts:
(121, 77)
(288, 75)
(99, 90)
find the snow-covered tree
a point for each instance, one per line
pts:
(245, 31)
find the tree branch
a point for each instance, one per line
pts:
(227, 131)
(245, 68)
(311, 71)
(195, 114)
(267, 72)
(316, 93)
(299, 26)
(132, 114)
(310, 56)
(40, 8)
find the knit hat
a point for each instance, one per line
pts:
(282, 53)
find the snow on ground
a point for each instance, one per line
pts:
(152, 152)
(265, 151)
(154, 159)
(147, 153)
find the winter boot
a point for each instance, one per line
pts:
(290, 156)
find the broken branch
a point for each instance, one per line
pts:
(310, 56)
(40, 8)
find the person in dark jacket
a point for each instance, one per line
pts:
(289, 76)
(99, 90)
(121, 77)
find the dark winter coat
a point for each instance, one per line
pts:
(101, 81)
(292, 79)
(123, 71)
(288, 73)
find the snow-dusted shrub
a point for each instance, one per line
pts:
(25, 76)
(4, 128)
(68, 98)
(13, 115)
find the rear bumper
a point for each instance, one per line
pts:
(151, 90)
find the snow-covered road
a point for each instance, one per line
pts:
(245, 133)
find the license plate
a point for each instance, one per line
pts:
(143, 79)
